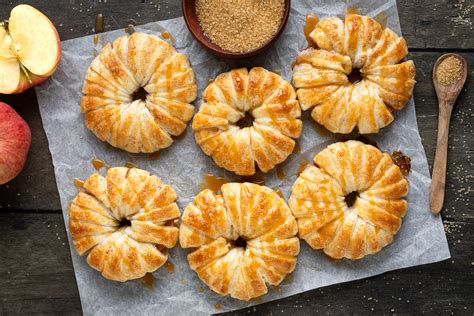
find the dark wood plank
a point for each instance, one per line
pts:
(37, 277)
(35, 266)
(77, 18)
(440, 24)
(437, 24)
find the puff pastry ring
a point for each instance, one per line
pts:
(245, 238)
(272, 103)
(137, 93)
(355, 76)
(332, 217)
(124, 222)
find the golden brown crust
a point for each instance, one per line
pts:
(140, 60)
(318, 200)
(128, 252)
(276, 112)
(257, 214)
(321, 74)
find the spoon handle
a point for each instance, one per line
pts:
(438, 180)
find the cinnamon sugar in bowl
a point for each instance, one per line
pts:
(236, 28)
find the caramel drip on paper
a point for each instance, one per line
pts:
(303, 164)
(148, 280)
(280, 172)
(212, 183)
(130, 165)
(311, 22)
(169, 267)
(78, 183)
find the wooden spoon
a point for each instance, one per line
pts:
(447, 96)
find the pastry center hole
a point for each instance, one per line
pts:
(246, 121)
(351, 198)
(125, 223)
(140, 94)
(240, 242)
(355, 76)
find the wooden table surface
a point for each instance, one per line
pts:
(36, 273)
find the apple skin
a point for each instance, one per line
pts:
(24, 84)
(15, 140)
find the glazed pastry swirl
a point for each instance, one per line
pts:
(274, 108)
(212, 223)
(321, 75)
(130, 251)
(325, 220)
(147, 125)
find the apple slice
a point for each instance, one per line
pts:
(30, 49)
(15, 140)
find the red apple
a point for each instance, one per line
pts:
(15, 140)
(30, 49)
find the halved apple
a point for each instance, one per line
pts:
(30, 49)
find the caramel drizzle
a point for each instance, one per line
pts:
(166, 35)
(212, 183)
(148, 280)
(99, 23)
(78, 183)
(280, 172)
(98, 28)
(297, 149)
(311, 22)
(98, 164)
(303, 164)
(278, 191)
(352, 10)
(169, 267)
(130, 165)
(256, 178)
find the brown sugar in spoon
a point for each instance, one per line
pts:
(448, 81)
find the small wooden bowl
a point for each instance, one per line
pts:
(191, 19)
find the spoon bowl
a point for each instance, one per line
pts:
(447, 95)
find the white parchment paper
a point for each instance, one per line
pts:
(421, 238)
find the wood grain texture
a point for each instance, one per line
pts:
(426, 24)
(35, 266)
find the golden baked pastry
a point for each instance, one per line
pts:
(244, 238)
(272, 103)
(322, 74)
(124, 222)
(326, 221)
(117, 73)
